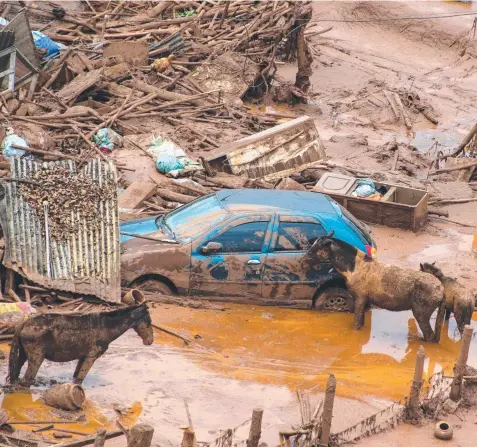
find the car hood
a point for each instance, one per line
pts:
(139, 227)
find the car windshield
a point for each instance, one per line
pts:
(189, 220)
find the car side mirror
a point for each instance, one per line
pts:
(211, 247)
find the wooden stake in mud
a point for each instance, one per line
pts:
(140, 436)
(188, 439)
(416, 384)
(100, 438)
(255, 428)
(328, 411)
(461, 363)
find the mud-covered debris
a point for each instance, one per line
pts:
(68, 196)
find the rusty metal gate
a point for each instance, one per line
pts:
(88, 262)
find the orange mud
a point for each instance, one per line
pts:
(22, 406)
(299, 348)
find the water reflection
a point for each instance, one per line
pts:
(301, 348)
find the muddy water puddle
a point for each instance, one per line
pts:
(243, 357)
(299, 348)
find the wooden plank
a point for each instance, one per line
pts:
(138, 191)
(78, 85)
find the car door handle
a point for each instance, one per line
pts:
(253, 262)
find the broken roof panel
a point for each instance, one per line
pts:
(87, 263)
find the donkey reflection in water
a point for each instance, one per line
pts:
(64, 338)
(385, 286)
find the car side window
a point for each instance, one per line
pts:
(245, 238)
(298, 236)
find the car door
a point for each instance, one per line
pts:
(285, 276)
(235, 265)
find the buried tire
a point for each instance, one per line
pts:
(154, 286)
(334, 299)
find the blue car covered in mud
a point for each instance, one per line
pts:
(247, 245)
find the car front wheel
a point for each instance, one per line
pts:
(334, 299)
(154, 286)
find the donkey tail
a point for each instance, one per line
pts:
(440, 320)
(17, 356)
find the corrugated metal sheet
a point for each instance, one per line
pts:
(7, 39)
(88, 263)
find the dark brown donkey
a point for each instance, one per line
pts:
(64, 338)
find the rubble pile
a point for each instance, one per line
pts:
(132, 68)
(109, 72)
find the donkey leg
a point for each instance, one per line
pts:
(83, 367)
(35, 359)
(423, 320)
(359, 311)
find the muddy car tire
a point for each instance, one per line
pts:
(155, 286)
(334, 299)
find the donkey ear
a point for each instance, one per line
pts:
(331, 234)
(434, 263)
(422, 267)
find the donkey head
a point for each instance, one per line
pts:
(432, 269)
(340, 254)
(143, 327)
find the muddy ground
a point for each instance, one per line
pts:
(244, 357)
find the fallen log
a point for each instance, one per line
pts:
(90, 439)
(392, 103)
(406, 119)
(41, 152)
(455, 168)
(163, 94)
(438, 213)
(174, 196)
(453, 222)
(467, 139)
(450, 202)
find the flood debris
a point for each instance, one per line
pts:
(67, 396)
(271, 153)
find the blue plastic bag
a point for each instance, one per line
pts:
(365, 188)
(167, 163)
(44, 42)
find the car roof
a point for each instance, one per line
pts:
(268, 200)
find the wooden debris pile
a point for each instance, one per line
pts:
(133, 67)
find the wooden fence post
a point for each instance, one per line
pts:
(327, 415)
(461, 363)
(140, 435)
(188, 438)
(255, 428)
(100, 437)
(413, 405)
